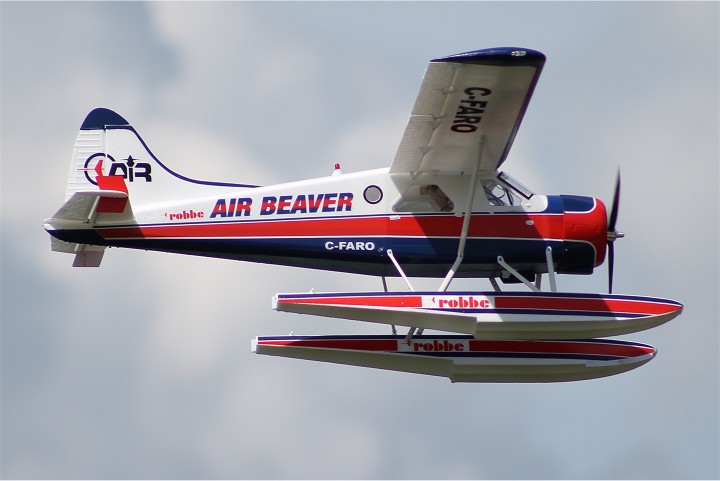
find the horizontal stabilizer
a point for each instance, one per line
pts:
(82, 206)
(465, 359)
(79, 213)
(492, 315)
(114, 194)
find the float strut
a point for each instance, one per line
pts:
(515, 273)
(399, 269)
(551, 268)
(394, 331)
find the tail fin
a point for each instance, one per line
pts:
(109, 153)
(112, 170)
(88, 157)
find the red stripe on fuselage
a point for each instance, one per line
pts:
(535, 226)
(590, 226)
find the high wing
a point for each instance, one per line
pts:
(463, 100)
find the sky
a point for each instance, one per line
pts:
(142, 368)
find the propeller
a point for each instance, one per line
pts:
(612, 232)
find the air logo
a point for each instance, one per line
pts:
(129, 168)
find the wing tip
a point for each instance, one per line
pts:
(505, 56)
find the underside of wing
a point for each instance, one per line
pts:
(465, 100)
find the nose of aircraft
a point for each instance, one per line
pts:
(585, 219)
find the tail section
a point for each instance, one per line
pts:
(112, 171)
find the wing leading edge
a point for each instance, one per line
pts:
(464, 99)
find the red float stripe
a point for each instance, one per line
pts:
(629, 306)
(480, 346)
(364, 301)
(586, 304)
(350, 344)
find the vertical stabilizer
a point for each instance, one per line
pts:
(112, 173)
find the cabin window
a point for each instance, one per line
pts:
(424, 198)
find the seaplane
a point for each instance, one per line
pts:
(442, 210)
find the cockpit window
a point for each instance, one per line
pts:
(498, 194)
(505, 191)
(515, 185)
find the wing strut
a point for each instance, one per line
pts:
(466, 221)
(463, 233)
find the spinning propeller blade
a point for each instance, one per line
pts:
(612, 220)
(611, 264)
(612, 233)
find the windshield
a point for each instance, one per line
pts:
(515, 185)
(506, 191)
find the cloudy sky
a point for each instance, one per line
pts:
(142, 368)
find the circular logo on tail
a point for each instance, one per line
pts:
(103, 165)
(93, 167)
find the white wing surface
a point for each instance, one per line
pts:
(466, 99)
